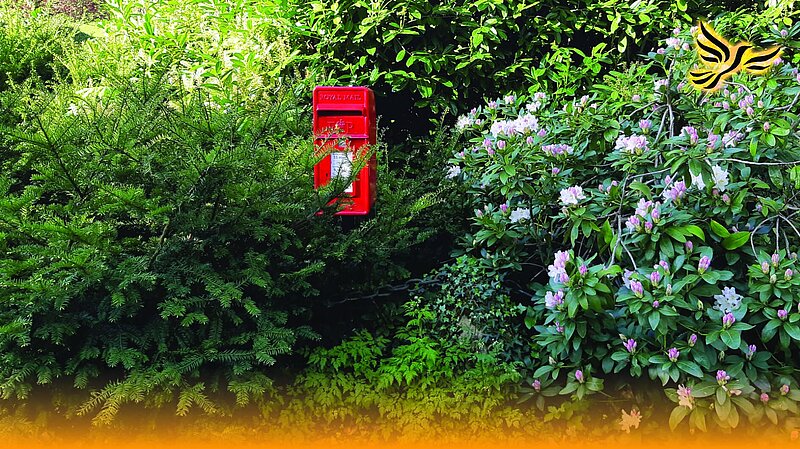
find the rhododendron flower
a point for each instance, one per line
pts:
(765, 267)
(719, 177)
(643, 207)
(453, 171)
(685, 396)
(689, 246)
(703, 264)
(732, 138)
(634, 144)
(785, 389)
(630, 345)
(674, 42)
(787, 275)
(645, 125)
(727, 320)
(751, 351)
(557, 149)
(676, 192)
(776, 259)
(764, 397)
(559, 265)
(629, 421)
(503, 207)
(783, 314)
(655, 277)
(464, 122)
(572, 195)
(637, 288)
(552, 301)
(692, 340)
(691, 133)
(728, 301)
(673, 354)
(656, 304)
(537, 385)
(697, 181)
(722, 377)
(519, 214)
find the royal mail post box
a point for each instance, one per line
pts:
(344, 131)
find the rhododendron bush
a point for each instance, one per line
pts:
(655, 228)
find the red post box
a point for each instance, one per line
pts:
(344, 130)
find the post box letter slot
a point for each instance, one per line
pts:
(337, 112)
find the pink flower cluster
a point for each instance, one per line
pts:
(524, 124)
(647, 213)
(674, 190)
(633, 144)
(558, 270)
(557, 149)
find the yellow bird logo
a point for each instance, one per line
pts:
(722, 60)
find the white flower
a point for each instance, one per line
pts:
(728, 301)
(453, 171)
(697, 181)
(463, 122)
(519, 214)
(720, 177)
(572, 195)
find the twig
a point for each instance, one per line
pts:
(730, 159)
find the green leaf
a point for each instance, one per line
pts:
(719, 230)
(704, 389)
(792, 330)
(731, 338)
(736, 240)
(677, 415)
(696, 231)
(690, 367)
(654, 319)
(643, 188)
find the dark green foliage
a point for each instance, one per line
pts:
(474, 306)
(170, 245)
(155, 239)
(451, 54)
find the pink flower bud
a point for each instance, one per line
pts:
(703, 265)
(655, 277)
(788, 274)
(728, 320)
(673, 354)
(579, 376)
